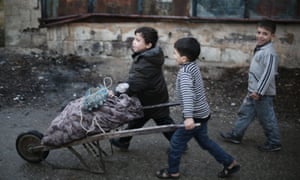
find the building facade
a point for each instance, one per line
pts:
(104, 28)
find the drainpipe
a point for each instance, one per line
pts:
(43, 9)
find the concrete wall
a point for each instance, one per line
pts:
(22, 25)
(223, 44)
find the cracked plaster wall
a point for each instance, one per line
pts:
(222, 43)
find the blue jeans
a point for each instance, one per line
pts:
(264, 111)
(179, 142)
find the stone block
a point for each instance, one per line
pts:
(234, 56)
(210, 54)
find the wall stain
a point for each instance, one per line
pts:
(288, 38)
(236, 38)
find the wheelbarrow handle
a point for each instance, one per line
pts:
(169, 104)
(116, 134)
(182, 125)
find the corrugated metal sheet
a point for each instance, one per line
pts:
(54, 11)
(275, 8)
(116, 6)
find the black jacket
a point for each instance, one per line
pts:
(147, 82)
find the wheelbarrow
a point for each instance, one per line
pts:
(29, 147)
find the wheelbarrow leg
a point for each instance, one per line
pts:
(98, 152)
(83, 162)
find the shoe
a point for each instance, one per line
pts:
(226, 172)
(164, 174)
(231, 138)
(121, 145)
(269, 147)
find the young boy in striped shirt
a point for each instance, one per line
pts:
(191, 95)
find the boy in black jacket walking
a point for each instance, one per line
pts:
(146, 81)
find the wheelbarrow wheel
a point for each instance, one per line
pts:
(24, 144)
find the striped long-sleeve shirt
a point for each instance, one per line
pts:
(191, 92)
(262, 71)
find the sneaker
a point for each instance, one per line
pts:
(121, 145)
(226, 172)
(269, 147)
(231, 138)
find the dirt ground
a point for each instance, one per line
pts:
(35, 86)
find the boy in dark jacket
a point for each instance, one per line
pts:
(146, 81)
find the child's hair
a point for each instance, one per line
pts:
(268, 25)
(188, 47)
(149, 34)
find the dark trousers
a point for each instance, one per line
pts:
(141, 122)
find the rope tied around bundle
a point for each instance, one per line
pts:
(93, 99)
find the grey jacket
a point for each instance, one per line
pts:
(262, 71)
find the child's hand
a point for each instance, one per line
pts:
(110, 93)
(189, 123)
(255, 96)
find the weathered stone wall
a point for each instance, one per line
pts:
(223, 44)
(22, 25)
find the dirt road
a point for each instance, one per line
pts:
(34, 107)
